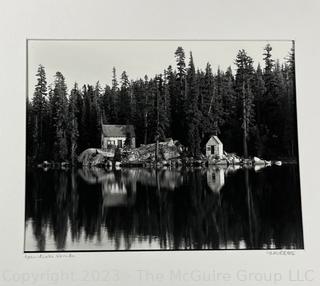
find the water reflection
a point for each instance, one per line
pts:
(194, 208)
(215, 178)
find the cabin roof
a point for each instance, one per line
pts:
(109, 130)
(215, 139)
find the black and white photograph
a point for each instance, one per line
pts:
(161, 145)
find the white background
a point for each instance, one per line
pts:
(163, 19)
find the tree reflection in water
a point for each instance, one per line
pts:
(204, 208)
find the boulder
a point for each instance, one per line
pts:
(93, 157)
(138, 157)
(170, 142)
(132, 157)
(170, 154)
(98, 159)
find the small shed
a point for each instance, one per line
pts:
(116, 135)
(214, 147)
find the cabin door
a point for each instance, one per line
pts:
(212, 150)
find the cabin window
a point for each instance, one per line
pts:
(111, 142)
(120, 143)
(208, 148)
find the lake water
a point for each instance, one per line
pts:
(144, 209)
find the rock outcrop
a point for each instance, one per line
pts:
(95, 157)
(167, 151)
(145, 153)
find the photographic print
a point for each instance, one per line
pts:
(161, 145)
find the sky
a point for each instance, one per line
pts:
(87, 62)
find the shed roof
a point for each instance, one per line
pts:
(117, 130)
(216, 139)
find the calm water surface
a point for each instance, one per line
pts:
(142, 209)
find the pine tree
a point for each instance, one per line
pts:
(180, 59)
(39, 108)
(91, 117)
(261, 130)
(60, 119)
(171, 89)
(124, 115)
(160, 116)
(73, 117)
(290, 121)
(152, 116)
(268, 75)
(114, 98)
(139, 109)
(178, 114)
(247, 115)
(78, 109)
(191, 110)
(97, 114)
(271, 102)
(230, 130)
(216, 107)
(51, 129)
(207, 95)
(85, 140)
(166, 105)
(29, 131)
(147, 109)
(114, 79)
(107, 106)
(244, 83)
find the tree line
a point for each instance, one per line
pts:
(252, 111)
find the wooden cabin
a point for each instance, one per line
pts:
(116, 136)
(214, 147)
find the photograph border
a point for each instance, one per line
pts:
(170, 40)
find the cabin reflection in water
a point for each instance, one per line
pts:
(215, 179)
(118, 193)
(119, 187)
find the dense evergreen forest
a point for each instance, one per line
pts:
(252, 111)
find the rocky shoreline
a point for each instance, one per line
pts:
(170, 154)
